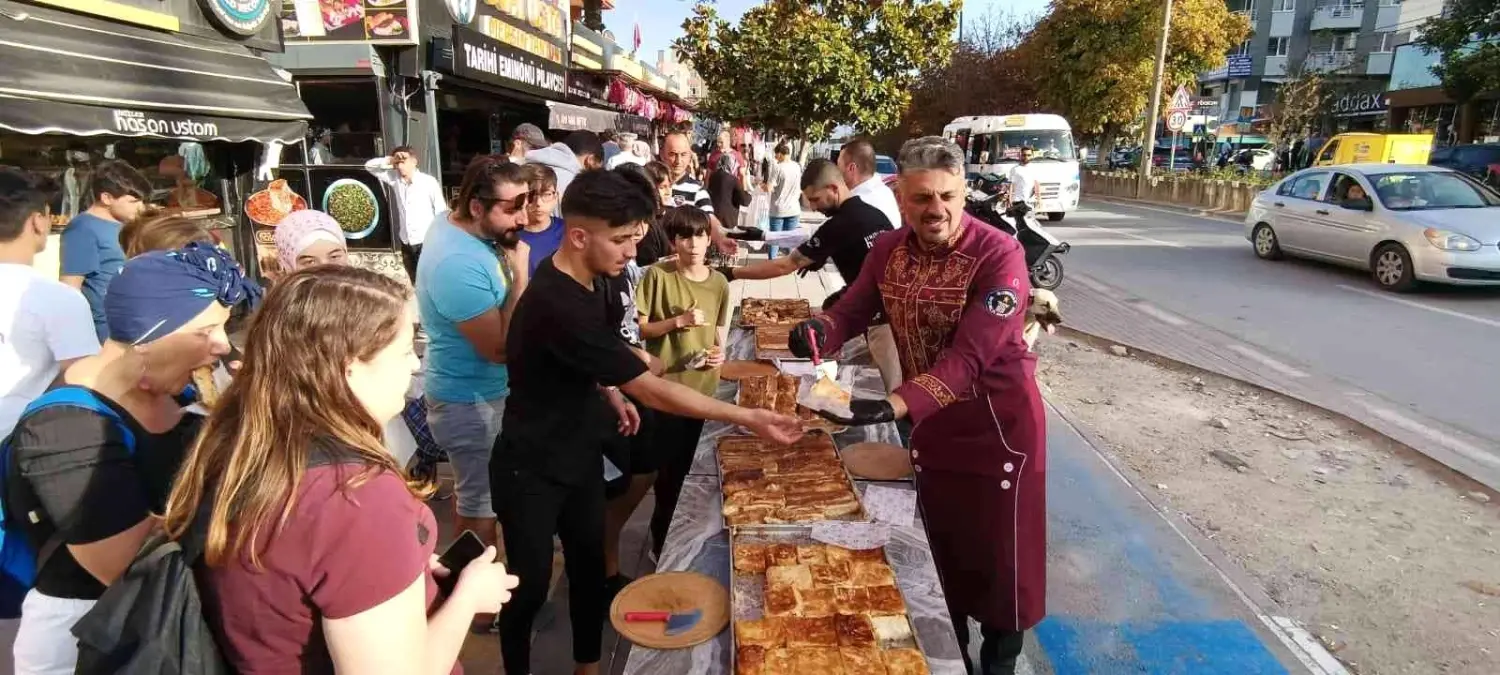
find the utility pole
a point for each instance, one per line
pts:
(1154, 111)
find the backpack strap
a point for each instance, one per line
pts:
(76, 397)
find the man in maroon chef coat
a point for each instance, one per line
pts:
(955, 292)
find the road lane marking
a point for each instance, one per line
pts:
(1323, 662)
(1160, 314)
(1184, 214)
(1412, 303)
(1468, 450)
(1267, 361)
(1132, 235)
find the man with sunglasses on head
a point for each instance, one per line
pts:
(471, 275)
(417, 199)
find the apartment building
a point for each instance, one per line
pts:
(1351, 41)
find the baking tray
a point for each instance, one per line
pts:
(747, 591)
(766, 353)
(817, 423)
(860, 516)
(750, 302)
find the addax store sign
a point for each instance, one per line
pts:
(481, 58)
(1360, 103)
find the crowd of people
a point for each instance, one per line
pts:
(575, 318)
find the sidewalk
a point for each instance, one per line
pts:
(1098, 309)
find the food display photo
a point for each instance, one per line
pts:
(805, 482)
(349, 20)
(353, 205)
(801, 606)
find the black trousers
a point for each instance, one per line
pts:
(677, 441)
(409, 256)
(998, 649)
(531, 509)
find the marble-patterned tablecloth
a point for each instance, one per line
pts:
(698, 541)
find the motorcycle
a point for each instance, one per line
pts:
(985, 200)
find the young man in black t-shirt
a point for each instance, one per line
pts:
(845, 238)
(547, 468)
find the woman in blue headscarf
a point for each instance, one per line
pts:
(89, 470)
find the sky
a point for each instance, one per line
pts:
(661, 20)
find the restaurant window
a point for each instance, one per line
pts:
(346, 123)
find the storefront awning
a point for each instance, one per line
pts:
(77, 75)
(571, 117)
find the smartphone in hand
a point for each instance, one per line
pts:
(459, 554)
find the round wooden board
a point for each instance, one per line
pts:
(671, 592)
(739, 370)
(877, 461)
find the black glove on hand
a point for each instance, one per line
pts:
(798, 342)
(727, 271)
(865, 412)
(749, 234)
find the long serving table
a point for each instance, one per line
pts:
(697, 540)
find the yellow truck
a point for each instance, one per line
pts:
(1361, 148)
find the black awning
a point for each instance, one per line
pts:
(77, 75)
(570, 117)
(634, 124)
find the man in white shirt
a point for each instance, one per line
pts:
(857, 163)
(1024, 188)
(44, 325)
(786, 193)
(633, 152)
(417, 198)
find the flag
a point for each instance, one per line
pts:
(636, 43)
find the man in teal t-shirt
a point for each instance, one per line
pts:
(472, 271)
(91, 255)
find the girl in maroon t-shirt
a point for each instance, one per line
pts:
(319, 554)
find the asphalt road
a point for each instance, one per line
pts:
(1436, 351)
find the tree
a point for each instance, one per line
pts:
(805, 66)
(1300, 101)
(1467, 35)
(1098, 56)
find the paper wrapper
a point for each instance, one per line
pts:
(891, 505)
(824, 394)
(856, 536)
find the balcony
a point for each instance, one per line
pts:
(1275, 66)
(1378, 63)
(1338, 16)
(1328, 62)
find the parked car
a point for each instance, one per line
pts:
(1261, 159)
(884, 166)
(1183, 161)
(1481, 161)
(1125, 158)
(1404, 223)
(1361, 147)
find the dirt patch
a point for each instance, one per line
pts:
(1394, 564)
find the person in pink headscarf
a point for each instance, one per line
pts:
(306, 238)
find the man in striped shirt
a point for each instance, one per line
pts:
(677, 151)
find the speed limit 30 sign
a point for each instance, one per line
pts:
(1176, 121)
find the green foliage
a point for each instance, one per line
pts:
(806, 66)
(1098, 56)
(1467, 36)
(1300, 102)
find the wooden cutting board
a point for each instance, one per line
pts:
(671, 592)
(739, 370)
(877, 461)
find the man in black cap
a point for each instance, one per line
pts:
(524, 139)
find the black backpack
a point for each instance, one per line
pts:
(150, 621)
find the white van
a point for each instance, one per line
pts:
(993, 144)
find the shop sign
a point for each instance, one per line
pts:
(586, 88)
(381, 22)
(536, 27)
(138, 123)
(1241, 66)
(239, 17)
(481, 58)
(1360, 103)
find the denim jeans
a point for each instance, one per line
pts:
(782, 224)
(467, 432)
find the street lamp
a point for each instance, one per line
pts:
(1148, 151)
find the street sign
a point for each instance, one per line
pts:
(1182, 100)
(1176, 120)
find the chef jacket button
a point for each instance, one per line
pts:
(914, 454)
(917, 469)
(1004, 485)
(1009, 467)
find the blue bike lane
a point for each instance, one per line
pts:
(1127, 593)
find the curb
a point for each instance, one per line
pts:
(1288, 631)
(1228, 216)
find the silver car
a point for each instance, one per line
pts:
(1405, 223)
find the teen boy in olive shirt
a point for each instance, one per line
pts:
(684, 308)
